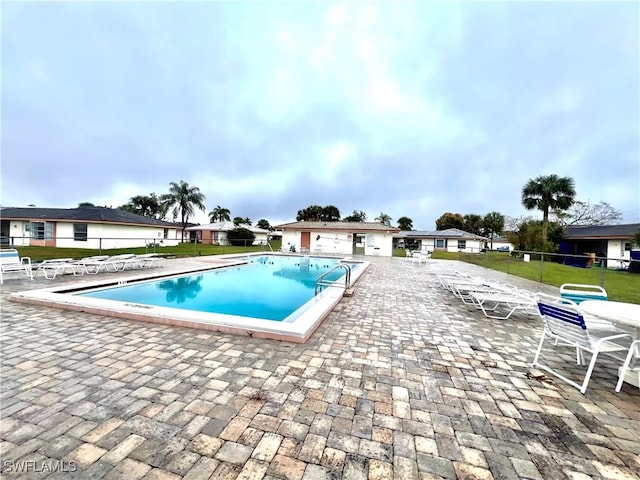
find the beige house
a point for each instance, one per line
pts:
(216, 233)
(339, 238)
(87, 227)
(450, 240)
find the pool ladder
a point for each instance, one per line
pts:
(323, 282)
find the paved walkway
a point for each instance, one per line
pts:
(400, 381)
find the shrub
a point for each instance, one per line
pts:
(240, 236)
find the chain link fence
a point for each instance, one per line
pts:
(619, 277)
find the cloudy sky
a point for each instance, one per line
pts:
(410, 108)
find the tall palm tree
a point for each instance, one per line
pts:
(384, 219)
(220, 214)
(183, 198)
(548, 193)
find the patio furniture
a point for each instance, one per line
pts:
(144, 260)
(634, 351)
(58, 266)
(624, 315)
(512, 301)
(11, 262)
(579, 292)
(563, 321)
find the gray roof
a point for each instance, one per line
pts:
(225, 227)
(448, 233)
(356, 227)
(85, 214)
(602, 231)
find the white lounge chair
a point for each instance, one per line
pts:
(510, 302)
(58, 266)
(564, 323)
(10, 262)
(144, 260)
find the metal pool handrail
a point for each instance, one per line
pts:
(322, 282)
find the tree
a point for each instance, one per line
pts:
(264, 224)
(356, 216)
(150, 206)
(511, 224)
(184, 198)
(492, 225)
(219, 214)
(583, 213)
(528, 237)
(240, 236)
(384, 219)
(548, 193)
(316, 213)
(405, 223)
(312, 213)
(241, 221)
(450, 220)
(472, 223)
(85, 205)
(330, 214)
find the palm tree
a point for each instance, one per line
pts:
(405, 223)
(264, 224)
(183, 198)
(547, 193)
(220, 214)
(384, 219)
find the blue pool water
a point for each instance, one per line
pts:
(269, 287)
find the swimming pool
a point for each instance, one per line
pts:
(267, 287)
(271, 296)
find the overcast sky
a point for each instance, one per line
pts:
(409, 108)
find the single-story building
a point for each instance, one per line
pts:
(87, 227)
(613, 242)
(340, 238)
(501, 243)
(450, 240)
(216, 233)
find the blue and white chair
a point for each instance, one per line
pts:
(579, 292)
(564, 324)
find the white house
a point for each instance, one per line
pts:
(339, 238)
(87, 227)
(450, 240)
(216, 233)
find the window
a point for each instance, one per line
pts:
(41, 230)
(627, 246)
(462, 244)
(166, 233)
(441, 243)
(80, 232)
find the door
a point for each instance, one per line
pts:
(305, 241)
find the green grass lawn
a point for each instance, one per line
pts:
(620, 285)
(38, 254)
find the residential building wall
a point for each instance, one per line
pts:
(339, 242)
(18, 234)
(616, 249)
(452, 245)
(99, 235)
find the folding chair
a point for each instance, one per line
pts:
(564, 323)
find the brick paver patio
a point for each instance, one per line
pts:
(400, 381)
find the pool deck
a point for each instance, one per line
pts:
(400, 381)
